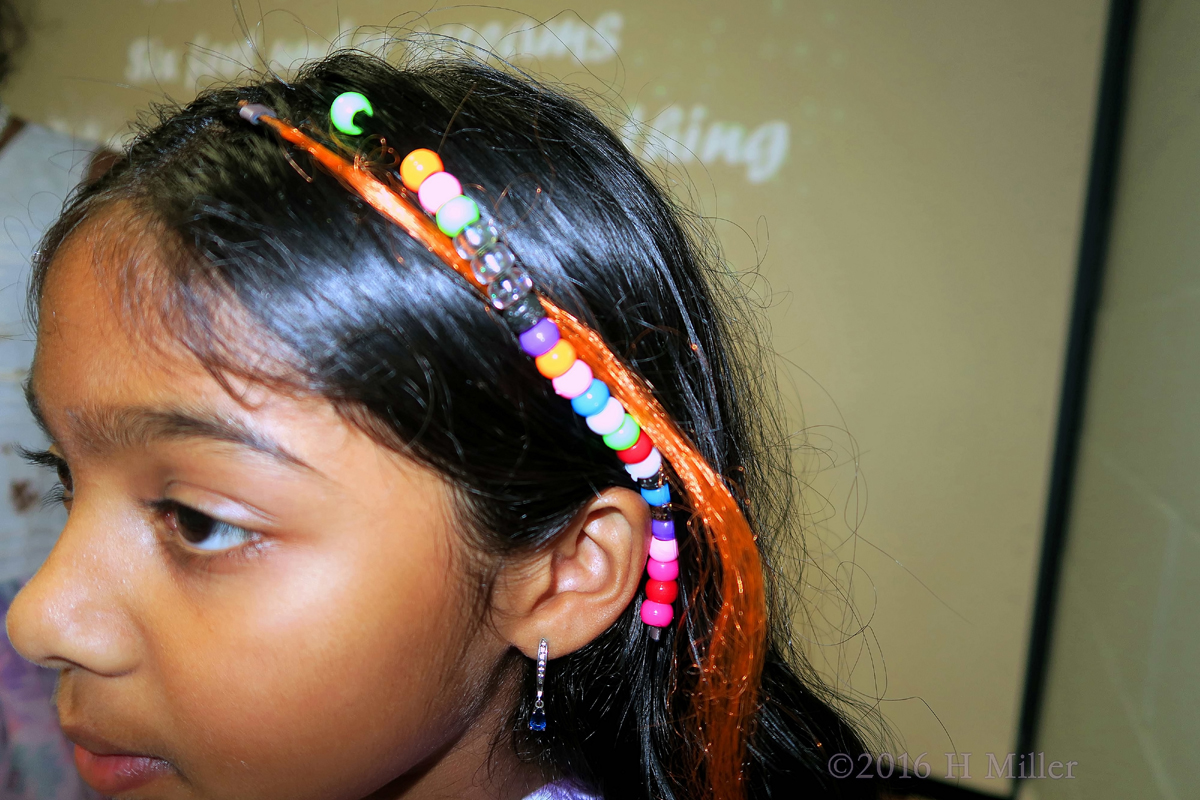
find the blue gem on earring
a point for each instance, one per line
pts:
(537, 720)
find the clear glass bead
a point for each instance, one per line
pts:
(492, 263)
(509, 287)
(524, 315)
(476, 238)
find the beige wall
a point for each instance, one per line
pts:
(1124, 691)
(910, 175)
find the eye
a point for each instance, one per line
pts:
(202, 532)
(64, 477)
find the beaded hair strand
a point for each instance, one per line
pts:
(731, 661)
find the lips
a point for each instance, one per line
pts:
(113, 773)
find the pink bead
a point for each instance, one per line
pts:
(657, 614)
(664, 549)
(607, 419)
(662, 570)
(646, 468)
(437, 189)
(574, 381)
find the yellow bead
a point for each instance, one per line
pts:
(417, 166)
(557, 361)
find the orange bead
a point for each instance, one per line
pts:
(557, 360)
(417, 166)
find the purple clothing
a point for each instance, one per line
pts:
(562, 790)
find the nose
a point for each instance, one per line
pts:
(71, 613)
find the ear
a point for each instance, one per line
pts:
(575, 590)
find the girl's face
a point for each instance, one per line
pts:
(254, 594)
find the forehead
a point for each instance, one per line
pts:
(114, 296)
(103, 339)
(95, 334)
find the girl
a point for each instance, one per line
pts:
(331, 533)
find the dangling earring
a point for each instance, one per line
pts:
(537, 720)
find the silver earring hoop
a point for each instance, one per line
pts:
(537, 720)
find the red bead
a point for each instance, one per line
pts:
(662, 591)
(638, 451)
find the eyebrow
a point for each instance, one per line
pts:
(132, 426)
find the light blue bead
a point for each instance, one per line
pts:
(592, 401)
(657, 497)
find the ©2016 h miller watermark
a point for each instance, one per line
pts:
(958, 765)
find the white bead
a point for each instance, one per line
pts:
(437, 190)
(574, 381)
(607, 419)
(646, 467)
(664, 549)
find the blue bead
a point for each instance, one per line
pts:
(657, 497)
(537, 720)
(592, 401)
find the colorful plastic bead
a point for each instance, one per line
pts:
(509, 287)
(524, 315)
(456, 214)
(664, 549)
(624, 436)
(662, 591)
(637, 451)
(417, 166)
(657, 497)
(556, 360)
(662, 570)
(662, 528)
(476, 238)
(644, 469)
(346, 106)
(657, 614)
(593, 399)
(492, 263)
(607, 419)
(539, 339)
(574, 381)
(438, 189)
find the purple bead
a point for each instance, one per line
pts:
(540, 339)
(662, 528)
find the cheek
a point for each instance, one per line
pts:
(321, 665)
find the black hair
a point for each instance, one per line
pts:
(366, 317)
(12, 36)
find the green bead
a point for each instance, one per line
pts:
(344, 109)
(456, 214)
(625, 436)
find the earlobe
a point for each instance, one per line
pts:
(578, 588)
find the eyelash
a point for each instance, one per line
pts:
(164, 508)
(61, 492)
